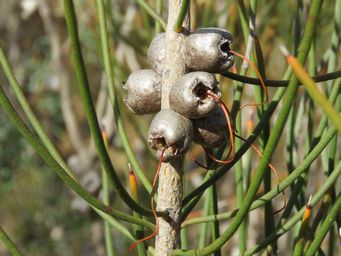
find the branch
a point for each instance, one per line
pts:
(170, 178)
(11, 247)
(278, 83)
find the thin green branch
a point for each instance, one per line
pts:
(239, 87)
(54, 165)
(159, 8)
(182, 15)
(215, 233)
(152, 13)
(11, 247)
(203, 232)
(107, 228)
(115, 224)
(278, 83)
(302, 233)
(90, 111)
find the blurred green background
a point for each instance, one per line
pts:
(36, 209)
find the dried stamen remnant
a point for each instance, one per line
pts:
(188, 96)
(208, 49)
(143, 92)
(171, 131)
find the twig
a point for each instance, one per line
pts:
(170, 178)
(11, 247)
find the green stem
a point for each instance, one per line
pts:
(184, 238)
(183, 12)
(159, 8)
(11, 247)
(325, 227)
(152, 13)
(203, 227)
(107, 229)
(90, 111)
(269, 222)
(115, 224)
(212, 192)
(112, 95)
(335, 40)
(301, 237)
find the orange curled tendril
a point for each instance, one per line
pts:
(272, 168)
(132, 247)
(259, 76)
(230, 129)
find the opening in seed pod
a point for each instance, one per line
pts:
(207, 49)
(189, 95)
(170, 133)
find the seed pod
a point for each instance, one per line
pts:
(156, 52)
(212, 130)
(188, 96)
(207, 49)
(143, 92)
(171, 130)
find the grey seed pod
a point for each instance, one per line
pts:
(156, 52)
(212, 130)
(188, 96)
(207, 49)
(168, 128)
(143, 92)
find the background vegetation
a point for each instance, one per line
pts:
(44, 217)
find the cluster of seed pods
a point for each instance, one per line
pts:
(194, 114)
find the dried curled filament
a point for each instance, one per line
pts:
(272, 168)
(132, 247)
(230, 130)
(259, 76)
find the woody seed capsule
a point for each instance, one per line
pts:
(212, 130)
(171, 130)
(143, 92)
(207, 49)
(188, 96)
(156, 52)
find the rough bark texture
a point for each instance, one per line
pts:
(170, 178)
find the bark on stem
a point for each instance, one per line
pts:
(170, 177)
